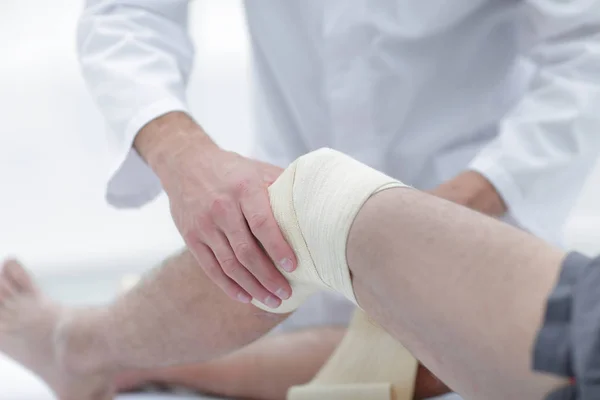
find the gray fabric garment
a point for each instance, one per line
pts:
(568, 343)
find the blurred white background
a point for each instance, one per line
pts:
(53, 159)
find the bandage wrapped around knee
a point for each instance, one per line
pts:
(315, 201)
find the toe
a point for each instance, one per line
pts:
(16, 276)
(6, 290)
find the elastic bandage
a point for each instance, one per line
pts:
(315, 201)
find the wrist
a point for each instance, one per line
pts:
(163, 139)
(473, 190)
(487, 200)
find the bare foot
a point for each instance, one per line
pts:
(32, 332)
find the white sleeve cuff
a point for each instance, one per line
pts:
(132, 183)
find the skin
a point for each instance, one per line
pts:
(473, 190)
(231, 375)
(264, 370)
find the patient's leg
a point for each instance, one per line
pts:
(464, 292)
(175, 316)
(263, 370)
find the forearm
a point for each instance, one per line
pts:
(470, 290)
(472, 190)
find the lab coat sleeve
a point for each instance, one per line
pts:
(549, 142)
(136, 58)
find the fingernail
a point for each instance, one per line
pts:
(282, 294)
(286, 264)
(272, 302)
(244, 298)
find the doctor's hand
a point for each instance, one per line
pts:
(472, 190)
(220, 205)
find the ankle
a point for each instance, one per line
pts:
(81, 347)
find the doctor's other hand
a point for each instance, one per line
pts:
(220, 205)
(472, 190)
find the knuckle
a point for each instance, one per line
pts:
(244, 251)
(243, 186)
(230, 266)
(201, 222)
(257, 221)
(220, 206)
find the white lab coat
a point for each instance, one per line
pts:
(420, 89)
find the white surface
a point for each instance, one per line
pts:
(22, 385)
(18, 384)
(25, 386)
(161, 397)
(52, 209)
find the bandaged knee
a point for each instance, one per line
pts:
(315, 202)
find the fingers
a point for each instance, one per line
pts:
(262, 223)
(6, 291)
(239, 273)
(224, 217)
(241, 257)
(211, 267)
(250, 255)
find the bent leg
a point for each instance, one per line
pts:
(264, 370)
(464, 292)
(174, 316)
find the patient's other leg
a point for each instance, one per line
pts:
(174, 316)
(28, 327)
(264, 370)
